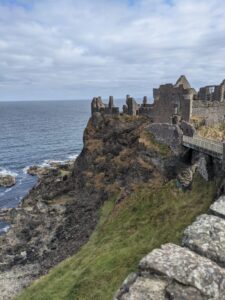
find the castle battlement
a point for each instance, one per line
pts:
(173, 102)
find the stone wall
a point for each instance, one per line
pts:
(170, 100)
(174, 103)
(195, 271)
(97, 106)
(212, 93)
(213, 112)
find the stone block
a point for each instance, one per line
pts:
(188, 268)
(206, 236)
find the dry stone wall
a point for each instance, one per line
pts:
(212, 112)
(193, 271)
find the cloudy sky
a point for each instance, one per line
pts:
(73, 49)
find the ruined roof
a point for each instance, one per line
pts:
(184, 82)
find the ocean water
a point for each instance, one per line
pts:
(32, 133)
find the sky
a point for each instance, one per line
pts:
(70, 49)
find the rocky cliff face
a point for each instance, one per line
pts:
(59, 214)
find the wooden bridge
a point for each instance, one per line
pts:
(214, 148)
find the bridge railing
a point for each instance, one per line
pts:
(204, 144)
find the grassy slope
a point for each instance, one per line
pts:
(126, 232)
(216, 132)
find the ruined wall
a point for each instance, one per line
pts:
(97, 105)
(212, 112)
(132, 106)
(170, 101)
(212, 92)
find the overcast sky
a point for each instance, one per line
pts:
(70, 49)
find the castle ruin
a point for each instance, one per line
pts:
(173, 103)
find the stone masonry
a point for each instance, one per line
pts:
(193, 271)
(173, 103)
(97, 105)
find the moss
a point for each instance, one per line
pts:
(127, 231)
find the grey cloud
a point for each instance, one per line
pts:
(78, 49)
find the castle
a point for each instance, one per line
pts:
(172, 103)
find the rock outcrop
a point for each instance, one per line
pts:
(168, 134)
(7, 180)
(60, 213)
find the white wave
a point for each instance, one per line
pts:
(47, 163)
(26, 169)
(52, 161)
(7, 172)
(73, 157)
(4, 229)
(5, 191)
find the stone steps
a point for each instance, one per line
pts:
(193, 271)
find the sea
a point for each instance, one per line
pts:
(34, 132)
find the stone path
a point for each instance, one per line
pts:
(193, 271)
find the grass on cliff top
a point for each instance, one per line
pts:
(216, 132)
(125, 233)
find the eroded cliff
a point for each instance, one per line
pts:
(120, 156)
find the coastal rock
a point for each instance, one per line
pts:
(52, 168)
(7, 180)
(131, 278)
(176, 291)
(145, 288)
(42, 171)
(206, 236)
(218, 207)
(188, 268)
(168, 134)
(14, 280)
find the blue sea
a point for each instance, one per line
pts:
(31, 133)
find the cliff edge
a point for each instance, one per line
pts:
(117, 198)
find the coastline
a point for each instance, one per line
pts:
(46, 164)
(14, 272)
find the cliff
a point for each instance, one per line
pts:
(119, 198)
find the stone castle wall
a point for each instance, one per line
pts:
(213, 112)
(170, 100)
(173, 103)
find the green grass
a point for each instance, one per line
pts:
(126, 232)
(148, 139)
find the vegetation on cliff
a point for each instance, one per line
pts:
(215, 132)
(151, 215)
